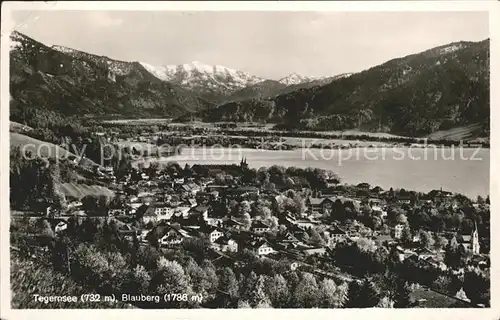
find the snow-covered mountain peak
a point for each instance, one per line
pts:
(198, 75)
(295, 78)
(195, 66)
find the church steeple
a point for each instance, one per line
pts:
(243, 163)
(475, 239)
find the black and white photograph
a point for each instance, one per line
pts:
(247, 159)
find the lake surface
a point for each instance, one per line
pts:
(464, 171)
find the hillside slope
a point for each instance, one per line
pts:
(45, 149)
(474, 130)
(271, 88)
(77, 83)
(79, 191)
(416, 95)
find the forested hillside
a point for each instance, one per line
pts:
(419, 94)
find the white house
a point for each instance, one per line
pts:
(226, 244)
(214, 233)
(61, 226)
(398, 231)
(335, 235)
(74, 204)
(199, 211)
(173, 237)
(259, 226)
(179, 180)
(158, 211)
(182, 212)
(262, 248)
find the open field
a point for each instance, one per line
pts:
(139, 121)
(459, 133)
(79, 191)
(44, 149)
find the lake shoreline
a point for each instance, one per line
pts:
(467, 176)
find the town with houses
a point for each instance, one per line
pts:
(299, 222)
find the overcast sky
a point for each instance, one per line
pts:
(266, 44)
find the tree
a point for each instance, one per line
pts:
(247, 285)
(198, 278)
(169, 278)
(455, 257)
(401, 219)
(61, 258)
(243, 304)
(447, 283)
(402, 297)
(315, 238)
(211, 279)
(394, 212)
(263, 304)
(258, 297)
(44, 228)
(370, 293)
(137, 280)
(34, 184)
(220, 179)
(477, 287)
(331, 295)
(363, 294)
(306, 293)
(406, 237)
(277, 290)
(299, 204)
(480, 200)
(27, 278)
(103, 270)
(273, 223)
(366, 245)
(198, 247)
(244, 208)
(246, 220)
(103, 203)
(385, 302)
(440, 242)
(426, 240)
(90, 204)
(228, 283)
(263, 212)
(233, 207)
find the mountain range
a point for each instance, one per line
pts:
(416, 95)
(72, 82)
(211, 82)
(442, 87)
